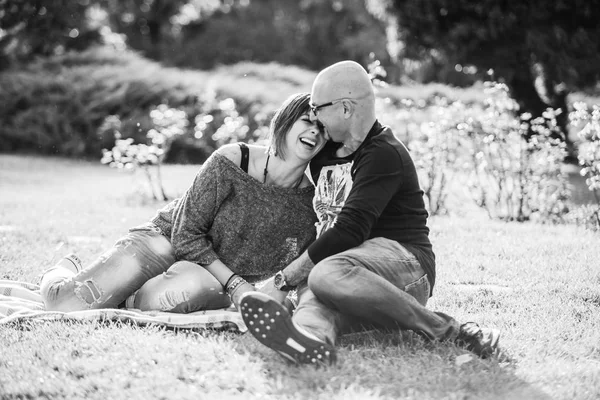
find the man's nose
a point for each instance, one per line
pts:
(312, 116)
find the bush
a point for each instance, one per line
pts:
(589, 159)
(511, 177)
(56, 105)
(483, 148)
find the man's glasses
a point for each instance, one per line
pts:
(316, 108)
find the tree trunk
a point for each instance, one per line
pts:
(154, 22)
(523, 90)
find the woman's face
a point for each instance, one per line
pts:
(304, 139)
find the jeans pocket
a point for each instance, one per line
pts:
(419, 289)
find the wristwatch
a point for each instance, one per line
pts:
(280, 283)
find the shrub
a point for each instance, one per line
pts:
(589, 159)
(432, 142)
(218, 120)
(511, 177)
(57, 105)
(168, 124)
(483, 148)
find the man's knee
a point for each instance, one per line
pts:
(330, 278)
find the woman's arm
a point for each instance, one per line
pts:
(193, 218)
(220, 271)
(194, 214)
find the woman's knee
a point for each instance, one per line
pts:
(184, 288)
(182, 275)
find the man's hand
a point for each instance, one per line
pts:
(267, 287)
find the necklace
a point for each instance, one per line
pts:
(266, 172)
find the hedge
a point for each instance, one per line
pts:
(56, 105)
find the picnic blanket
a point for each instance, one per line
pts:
(21, 301)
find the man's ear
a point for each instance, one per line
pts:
(348, 108)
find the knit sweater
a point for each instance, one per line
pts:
(253, 228)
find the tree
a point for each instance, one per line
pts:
(309, 33)
(30, 28)
(146, 23)
(541, 49)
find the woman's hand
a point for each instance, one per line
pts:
(236, 287)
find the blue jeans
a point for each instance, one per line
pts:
(377, 284)
(141, 269)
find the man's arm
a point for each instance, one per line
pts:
(377, 177)
(298, 270)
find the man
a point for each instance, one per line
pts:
(372, 264)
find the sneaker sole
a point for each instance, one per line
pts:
(271, 324)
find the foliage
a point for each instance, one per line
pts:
(146, 24)
(542, 50)
(217, 123)
(307, 33)
(168, 124)
(56, 105)
(30, 28)
(589, 159)
(513, 178)
(196, 33)
(483, 149)
(589, 148)
(435, 147)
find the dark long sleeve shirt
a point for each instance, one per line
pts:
(385, 200)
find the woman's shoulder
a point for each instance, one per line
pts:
(233, 151)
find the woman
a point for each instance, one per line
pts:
(247, 214)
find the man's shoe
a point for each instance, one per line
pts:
(271, 324)
(481, 341)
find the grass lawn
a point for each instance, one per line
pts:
(539, 284)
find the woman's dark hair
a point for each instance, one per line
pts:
(290, 111)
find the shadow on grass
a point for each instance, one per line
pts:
(376, 364)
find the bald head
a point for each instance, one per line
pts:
(350, 118)
(345, 79)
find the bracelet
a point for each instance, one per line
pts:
(229, 280)
(235, 283)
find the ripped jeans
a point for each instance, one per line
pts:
(378, 284)
(139, 272)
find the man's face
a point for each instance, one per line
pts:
(326, 113)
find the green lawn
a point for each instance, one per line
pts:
(539, 284)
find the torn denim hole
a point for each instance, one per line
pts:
(170, 299)
(88, 291)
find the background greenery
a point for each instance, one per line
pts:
(543, 52)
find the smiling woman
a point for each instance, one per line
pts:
(247, 215)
